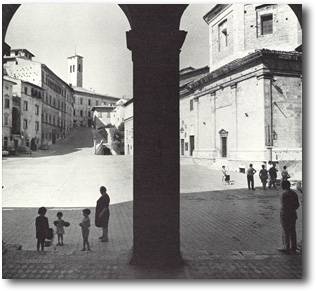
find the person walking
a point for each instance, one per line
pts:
(226, 177)
(284, 174)
(288, 217)
(273, 177)
(263, 174)
(102, 214)
(41, 226)
(250, 172)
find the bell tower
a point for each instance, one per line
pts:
(75, 70)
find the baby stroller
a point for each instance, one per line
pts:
(227, 179)
(49, 238)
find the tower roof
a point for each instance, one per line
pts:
(75, 56)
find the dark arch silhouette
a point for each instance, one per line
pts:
(8, 11)
(155, 41)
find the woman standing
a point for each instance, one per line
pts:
(102, 214)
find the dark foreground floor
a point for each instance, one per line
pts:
(226, 234)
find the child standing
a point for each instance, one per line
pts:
(41, 225)
(60, 223)
(85, 224)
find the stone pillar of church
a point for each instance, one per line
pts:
(155, 42)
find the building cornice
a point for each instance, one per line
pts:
(259, 56)
(59, 79)
(96, 95)
(185, 75)
(218, 8)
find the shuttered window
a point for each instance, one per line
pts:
(266, 24)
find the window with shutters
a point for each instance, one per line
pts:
(266, 24)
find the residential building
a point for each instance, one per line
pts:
(84, 101)
(128, 128)
(118, 113)
(57, 98)
(30, 97)
(101, 116)
(7, 113)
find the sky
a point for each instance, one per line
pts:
(96, 31)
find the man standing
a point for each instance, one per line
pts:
(284, 174)
(102, 214)
(289, 204)
(273, 176)
(263, 174)
(250, 172)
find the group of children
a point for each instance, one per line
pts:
(42, 228)
(102, 215)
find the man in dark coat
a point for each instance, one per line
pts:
(273, 176)
(288, 216)
(102, 214)
(250, 172)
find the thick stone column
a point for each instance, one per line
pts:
(155, 42)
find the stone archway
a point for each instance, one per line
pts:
(155, 41)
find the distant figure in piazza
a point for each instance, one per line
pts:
(288, 216)
(284, 174)
(263, 174)
(250, 172)
(273, 177)
(102, 214)
(226, 177)
(85, 228)
(60, 224)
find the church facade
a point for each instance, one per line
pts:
(248, 108)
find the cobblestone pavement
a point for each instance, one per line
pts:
(224, 234)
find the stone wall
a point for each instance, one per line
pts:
(287, 111)
(244, 31)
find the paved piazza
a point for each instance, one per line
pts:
(69, 175)
(226, 231)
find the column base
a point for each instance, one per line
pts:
(157, 260)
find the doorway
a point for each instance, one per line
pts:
(224, 146)
(191, 144)
(182, 147)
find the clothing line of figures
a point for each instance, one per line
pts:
(44, 234)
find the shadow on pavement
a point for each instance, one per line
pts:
(79, 139)
(224, 234)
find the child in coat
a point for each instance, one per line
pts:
(41, 225)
